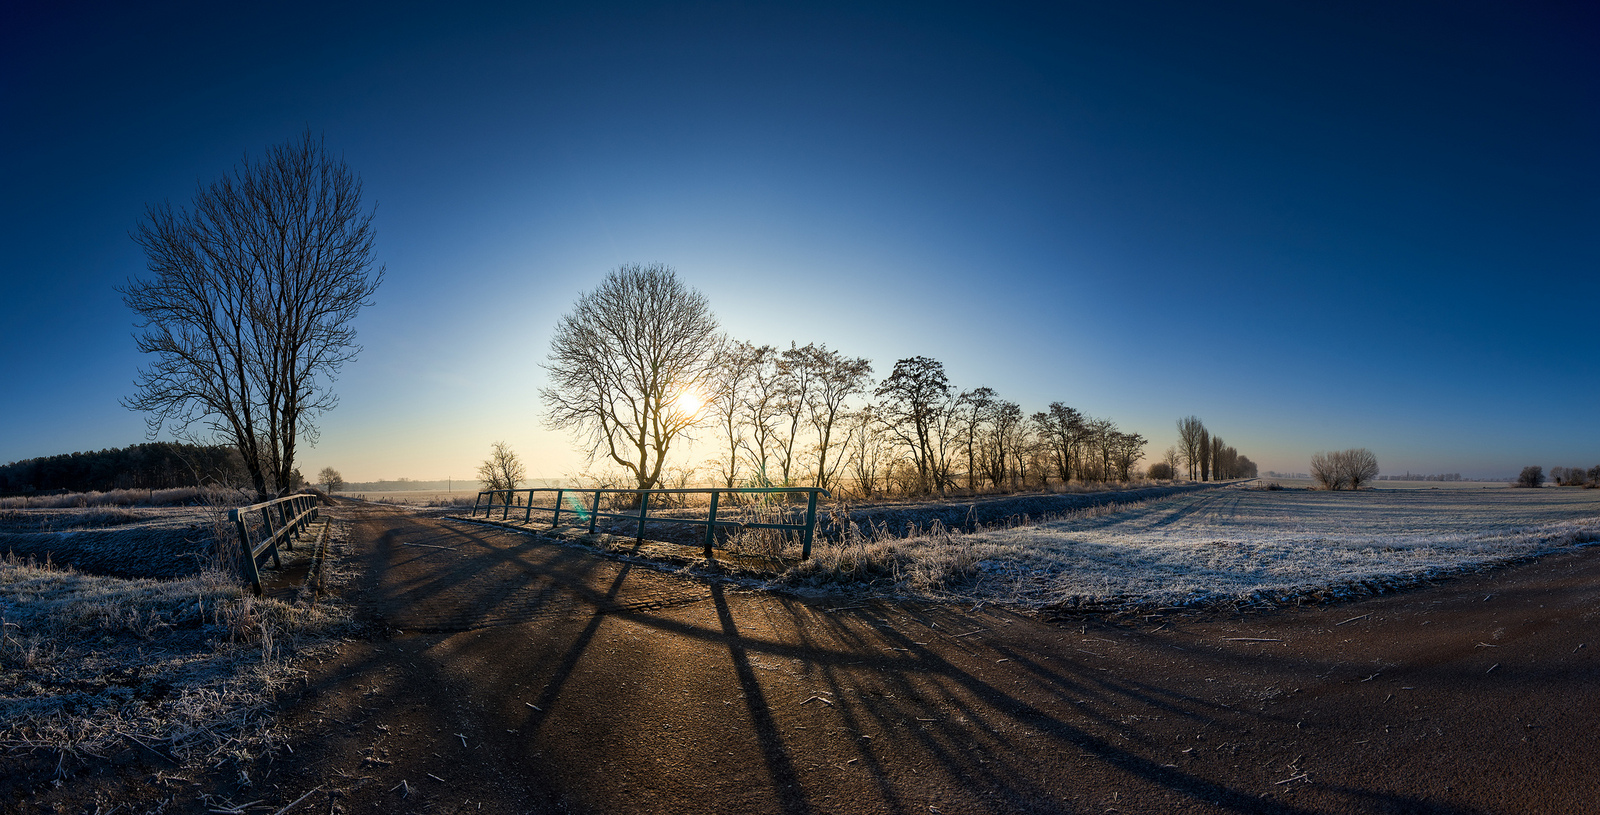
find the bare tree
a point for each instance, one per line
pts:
(798, 370)
(1003, 420)
(1531, 477)
(1360, 466)
(1061, 429)
(735, 364)
(250, 313)
(866, 445)
(1128, 450)
(1326, 470)
(1346, 468)
(502, 470)
(1190, 429)
(626, 365)
(838, 379)
(763, 401)
(1172, 459)
(970, 411)
(912, 404)
(330, 480)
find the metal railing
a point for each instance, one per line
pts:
(592, 513)
(281, 521)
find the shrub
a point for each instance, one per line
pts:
(1531, 477)
(1159, 471)
(1346, 468)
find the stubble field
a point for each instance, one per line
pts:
(1242, 542)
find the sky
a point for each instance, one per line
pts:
(1313, 225)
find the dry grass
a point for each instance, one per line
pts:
(183, 668)
(125, 498)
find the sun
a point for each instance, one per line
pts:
(688, 402)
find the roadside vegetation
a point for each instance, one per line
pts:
(92, 667)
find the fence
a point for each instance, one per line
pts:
(281, 521)
(592, 513)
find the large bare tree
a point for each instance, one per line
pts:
(628, 366)
(249, 315)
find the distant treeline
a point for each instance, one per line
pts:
(1410, 476)
(154, 466)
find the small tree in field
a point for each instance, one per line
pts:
(502, 470)
(1359, 465)
(1160, 471)
(330, 480)
(1326, 470)
(1531, 477)
(1345, 468)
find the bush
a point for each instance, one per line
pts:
(1531, 477)
(1346, 468)
(1159, 471)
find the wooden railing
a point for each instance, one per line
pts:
(592, 513)
(280, 521)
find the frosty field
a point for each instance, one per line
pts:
(1242, 542)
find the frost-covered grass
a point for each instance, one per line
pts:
(1239, 542)
(127, 498)
(92, 664)
(1231, 543)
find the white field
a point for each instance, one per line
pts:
(1234, 542)
(424, 498)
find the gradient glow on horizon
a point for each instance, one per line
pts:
(1315, 226)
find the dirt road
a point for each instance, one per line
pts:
(506, 673)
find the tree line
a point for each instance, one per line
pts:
(152, 466)
(1207, 457)
(1533, 476)
(640, 363)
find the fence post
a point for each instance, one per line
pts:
(644, 507)
(811, 524)
(250, 570)
(286, 526)
(555, 517)
(527, 514)
(506, 512)
(594, 512)
(711, 524)
(272, 534)
(474, 512)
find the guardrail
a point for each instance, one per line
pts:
(281, 521)
(486, 499)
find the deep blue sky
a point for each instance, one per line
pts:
(1313, 225)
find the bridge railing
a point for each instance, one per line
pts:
(522, 501)
(262, 527)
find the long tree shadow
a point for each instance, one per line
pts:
(899, 671)
(780, 766)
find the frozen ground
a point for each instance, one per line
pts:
(1241, 543)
